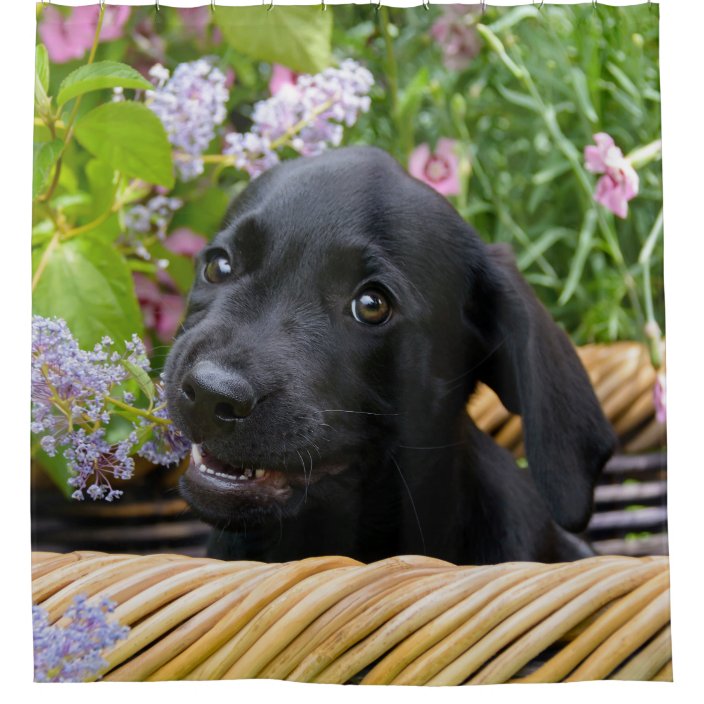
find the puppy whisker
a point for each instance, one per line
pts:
(363, 413)
(410, 497)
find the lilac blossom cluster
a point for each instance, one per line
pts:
(73, 394)
(167, 445)
(73, 653)
(191, 104)
(153, 217)
(307, 116)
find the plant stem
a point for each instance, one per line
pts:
(74, 113)
(569, 151)
(138, 411)
(53, 243)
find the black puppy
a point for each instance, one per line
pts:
(337, 326)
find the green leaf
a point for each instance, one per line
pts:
(88, 284)
(42, 102)
(56, 468)
(45, 156)
(41, 67)
(509, 18)
(521, 99)
(581, 87)
(142, 378)
(102, 182)
(131, 139)
(98, 76)
(584, 247)
(297, 37)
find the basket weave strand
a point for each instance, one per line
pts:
(404, 620)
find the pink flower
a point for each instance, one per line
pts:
(281, 76)
(660, 398)
(69, 37)
(439, 169)
(195, 19)
(459, 40)
(185, 242)
(161, 311)
(619, 184)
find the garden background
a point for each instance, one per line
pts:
(681, 23)
(540, 124)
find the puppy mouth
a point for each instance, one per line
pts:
(208, 471)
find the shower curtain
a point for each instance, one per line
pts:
(538, 124)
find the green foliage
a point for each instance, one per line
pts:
(131, 139)
(521, 112)
(45, 155)
(298, 37)
(88, 284)
(99, 76)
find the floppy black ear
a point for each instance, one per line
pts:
(533, 367)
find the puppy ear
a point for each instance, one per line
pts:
(533, 367)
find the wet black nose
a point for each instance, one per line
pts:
(211, 394)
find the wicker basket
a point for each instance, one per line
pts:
(404, 620)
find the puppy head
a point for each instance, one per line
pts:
(343, 310)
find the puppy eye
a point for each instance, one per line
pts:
(371, 307)
(218, 268)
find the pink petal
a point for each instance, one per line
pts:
(195, 19)
(145, 289)
(116, 17)
(417, 161)
(185, 242)
(169, 316)
(593, 160)
(57, 38)
(280, 77)
(603, 141)
(612, 196)
(421, 161)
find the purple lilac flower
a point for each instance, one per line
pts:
(167, 445)
(73, 653)
(154, 217)
(307, 116)
(70, 387)
(190, 104)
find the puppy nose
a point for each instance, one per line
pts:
(209, 393)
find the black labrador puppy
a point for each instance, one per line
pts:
(338, 324)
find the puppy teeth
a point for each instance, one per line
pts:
(209, 471)
(260, 473)
(248, 473)
(195, 454)
(203, 468)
